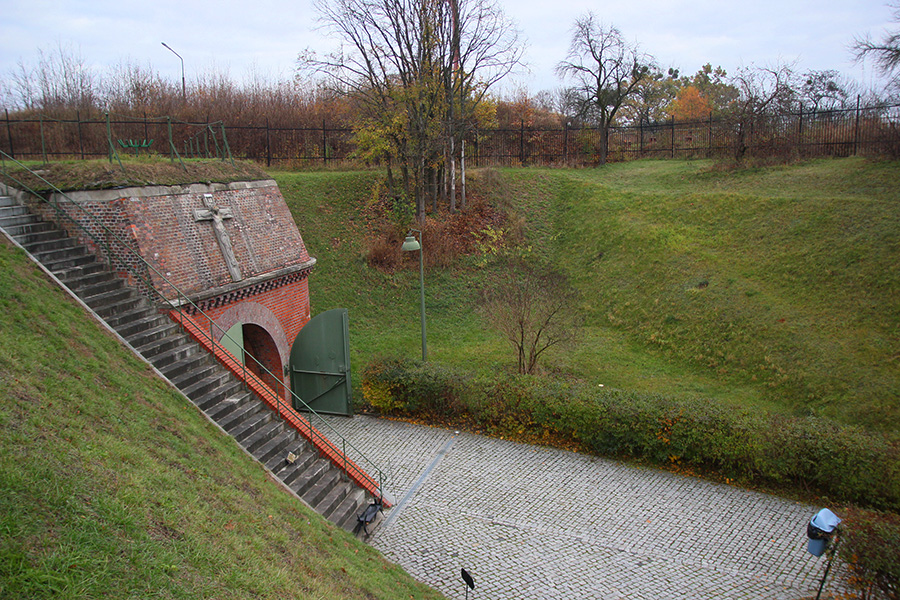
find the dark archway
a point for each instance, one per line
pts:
(260, 344)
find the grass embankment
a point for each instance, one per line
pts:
(773, 288)
(77, 175)
(113, 485)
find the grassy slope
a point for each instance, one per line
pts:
(773, 287)
(113, 485)
(783, 279)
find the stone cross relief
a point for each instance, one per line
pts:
(217, 215)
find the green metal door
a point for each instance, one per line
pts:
(320, 364)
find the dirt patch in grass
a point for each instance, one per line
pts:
(101, 174)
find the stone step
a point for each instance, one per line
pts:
(250, 425)
(62, 260)
(277, 446)
(317, 491)
(128, 304)
(17, 220)
(101, 287)
(156, 340)
(263, 435)
(79, 280)
(287, 471)
(75, 272)
(61, 255)
(230, 389)
(147, 329)
(107, 298)
(170, 361)
(335, 492)
(12, 210)
(309, 477)
(219, 407)
(206, 385)
(236, 417)
(348, 510)
(34, 231)
(49, 243)
(198, 375)
(133, 317)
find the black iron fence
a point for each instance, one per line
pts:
(869, 130)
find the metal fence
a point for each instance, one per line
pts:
(870, 130)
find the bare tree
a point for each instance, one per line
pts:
(824, 90)
(763, 91)
(419, 67)
(61, 79)
(605, 70)
(886, 52)
(533, 307)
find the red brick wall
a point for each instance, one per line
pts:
(158, 224)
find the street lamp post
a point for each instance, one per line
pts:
(411, 244)
(183, 86)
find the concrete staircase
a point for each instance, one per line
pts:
(185, 363)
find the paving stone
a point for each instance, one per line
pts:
(533, 522)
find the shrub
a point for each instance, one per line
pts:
(870, 546)
(847, 464)
(400, 386)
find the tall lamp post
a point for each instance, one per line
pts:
(411, 244)
(183, 86)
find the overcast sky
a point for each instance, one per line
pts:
(266, 35)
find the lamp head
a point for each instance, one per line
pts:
(410, 244)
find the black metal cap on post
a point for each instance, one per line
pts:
(470, 583)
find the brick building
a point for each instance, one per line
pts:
(232, 251)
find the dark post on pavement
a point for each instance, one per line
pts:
(470, 583)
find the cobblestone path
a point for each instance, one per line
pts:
(533, 522)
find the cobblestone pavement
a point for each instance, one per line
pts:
(533, 522)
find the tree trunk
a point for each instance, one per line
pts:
(604, 143)
(462, 174)
(452, 177)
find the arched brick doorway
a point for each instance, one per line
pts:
(261, 345)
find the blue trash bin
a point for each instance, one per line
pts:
(820, 530)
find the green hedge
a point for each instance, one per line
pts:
(845, 464)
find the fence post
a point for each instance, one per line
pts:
(641, 138)
(522, 142)
(12, 152)
(856, 129)
(268, 146)
(566, 144)
(80, 138)
(324, 144)
(800, 132)
(109, 149)
(43, 143)
(673, 138)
